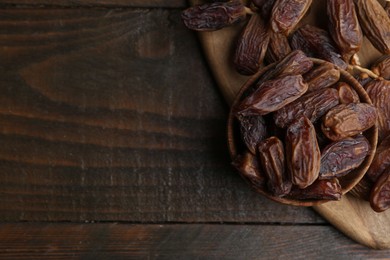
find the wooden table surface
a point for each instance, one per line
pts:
(112, 144)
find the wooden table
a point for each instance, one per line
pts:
(112, 136)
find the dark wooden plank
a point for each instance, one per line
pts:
(113, 115)
(124, 241)
(96, 3)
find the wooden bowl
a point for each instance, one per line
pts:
(347, 182)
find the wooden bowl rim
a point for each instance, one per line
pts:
(371, 135)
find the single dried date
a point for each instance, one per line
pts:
(379, 93)
(286, 14)
(375, 23)
(302, 153)
(323, 76)
(382, 66)
(272, 95)
(271, 153)
(213, 16)
(381, 160)
(278, 47)
(251, 46)
(317, 43)
(312, 105)
(253, 131)
(380, 193)
(249, 167)
(344, 27)
(347, 94)
(341, 157)
(347, 120)
(320, 189)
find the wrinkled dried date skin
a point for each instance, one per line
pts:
(249, 167)
(387, 8)
(375, 24)
(272, 95)
(313, 105)
(341, 157)
(251, 46)
(381, 160)
(294, 63)
(317, 43)
(379, 93)
(320, 189)
(265, 7)
(213, 16)
(323, 76)
(347, 94)
(363, 79)
(278, 47)
(344, 27)
(271, 153)
(382, 66)
(380, 193)
(302, 153)
(253, 131)
(286, 14)
(347, 120)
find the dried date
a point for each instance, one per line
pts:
(344, 27)
(313, 106)
(347, 94)
(381, 160)
(317, 43)
(375, 24)
(264, 7)
(271, 153)
(286, 14)
(253, 131)
(302, 153)
(320, 189)
(379, 93)
(382, 66)
(213, 16)
(347, 120)
(249, 167)
(380, 193)
(323, 76)
(341, 157)
(251, 46)
(278, 47)
(272, 95)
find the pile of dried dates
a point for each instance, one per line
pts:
(300, 122)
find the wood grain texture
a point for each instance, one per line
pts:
(351, 216)
(112, 115)
(94, 3)
(124, 241)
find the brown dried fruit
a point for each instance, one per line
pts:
(278, 47)
(375, 23)
(347, 94)
(302, 153)
(381, 160)
(251, 46)
(317, 43)
(286, 14)
(382, 66)
(323, 76)
(213, 16)
(265, 7)
(379, 93)
(380, 193)
(320, 189)
(249, 167)
(313, 105)
(253, 131)
(271, 153)
(344, 27)
(272, 95)
(347, 120)
(295, 63)
(341, 157)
